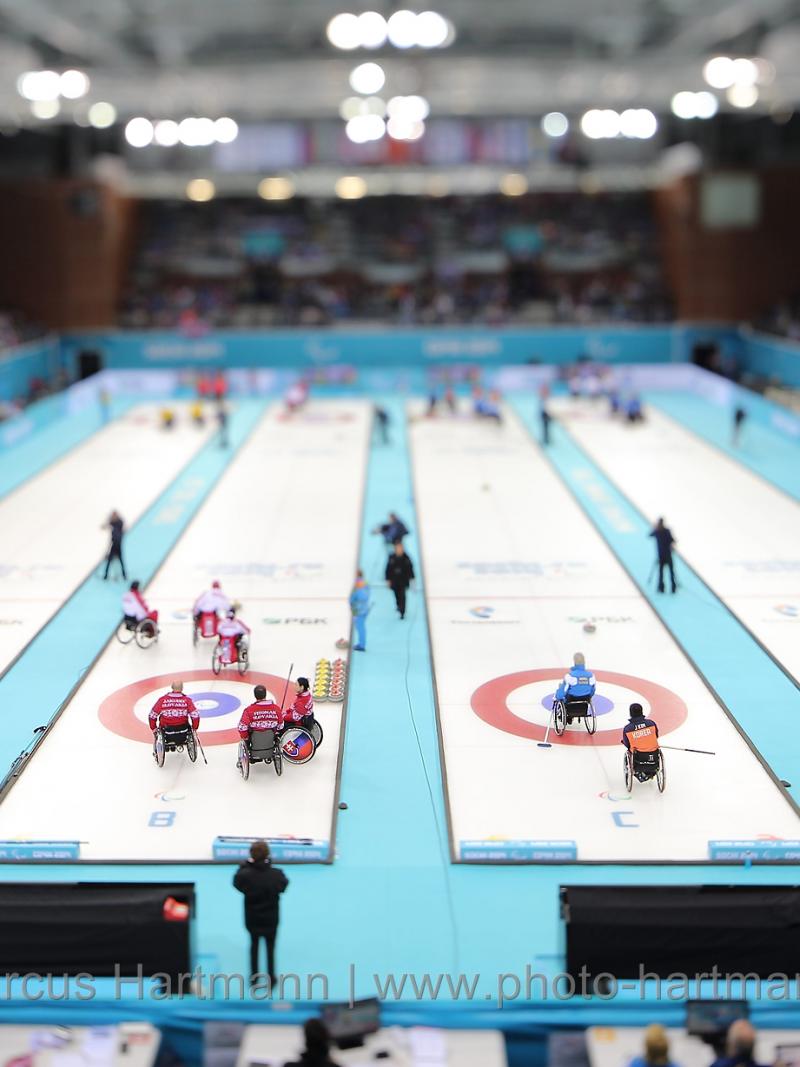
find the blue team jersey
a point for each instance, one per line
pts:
(577, 683)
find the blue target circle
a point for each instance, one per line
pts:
(221, 704)
(602, 705)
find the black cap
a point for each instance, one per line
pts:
(636, 711)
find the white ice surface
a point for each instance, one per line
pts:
(51, 533)
(281, 532)
(741, 534)
(501, 536)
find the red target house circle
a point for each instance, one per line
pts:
(490, 703)
(117, 712)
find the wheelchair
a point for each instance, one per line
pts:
(294, 744)
(174, 739)
(262, 746)
(227, 653)
(143, 631)
(311, 726)
(205, 625)
(564, 711)
(644, 766)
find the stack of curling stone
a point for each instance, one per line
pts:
(322, 680)
(338, 678)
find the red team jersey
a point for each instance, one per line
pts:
(263, 715)
(174, 709)
(303, 706)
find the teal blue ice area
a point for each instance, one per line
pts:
(45, 433)
(762, 447)
(392, 897)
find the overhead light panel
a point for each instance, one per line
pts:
(689, 105)
(225, 130)
(638, 123)
(73, 84)
(102, 115)
(45, 109)
(368, 78)
(372, 29)
(277, 188)
(720, 72)
(166, 133)
(201, 190)
(350, 187)
(554, 124)
(343, 31)
(39, 85)
(139, 132)
(742, 96)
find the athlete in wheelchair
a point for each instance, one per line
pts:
(260, 729)
(232, 647)
(139, 622)
(207, 610)
(573, 699)
(267, 738)
(644, 759)
(301, 711)
(174, 720)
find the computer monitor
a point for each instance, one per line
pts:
(787, 1055)
(710, 1019)
(349, 1024)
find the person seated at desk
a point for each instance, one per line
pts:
(739, 1046)
(318, 1043)
(656, 1049)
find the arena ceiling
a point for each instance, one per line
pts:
(270, 58)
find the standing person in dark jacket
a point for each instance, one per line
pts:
(546, 418)
(664, 543)
(222, 423)
(115, 525)
(318, 1044)
(393, 530)
(399, 576)
(262, 885)
(739, 418)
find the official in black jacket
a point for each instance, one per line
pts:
(262, 885)
(399, 576)
(317, 1050)
(664, 542)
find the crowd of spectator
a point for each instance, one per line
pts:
(16, 329)
(37, 389)
(783, 319)
(545, 258)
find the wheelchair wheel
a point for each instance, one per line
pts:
(191, 746)
(590, 720)
(244, 762)
(628, 758)
(216, 660)
(661, 773)
(243, 663)
(277, 760)
(146, 633)
(316, 732)
(159, 749)
(124, 633)
(559, 717)
(195, 634)
(297, 745)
